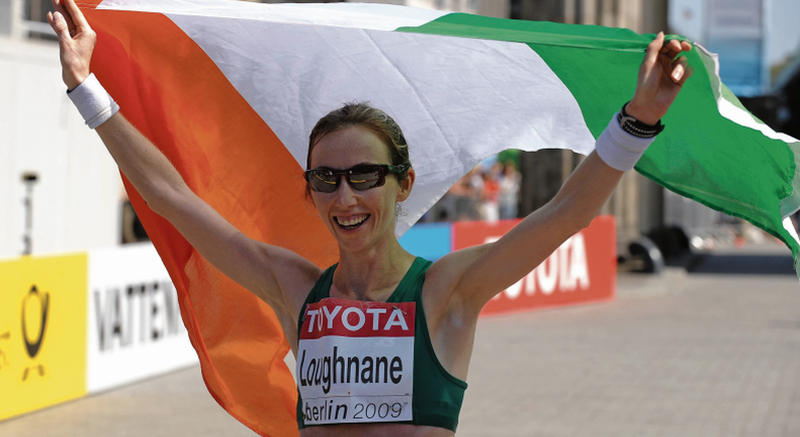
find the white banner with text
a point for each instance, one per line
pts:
(134, 324)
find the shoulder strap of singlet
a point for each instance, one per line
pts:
(407, 290)
(410, 286)
(320, 290)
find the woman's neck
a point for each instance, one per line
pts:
(373, 274)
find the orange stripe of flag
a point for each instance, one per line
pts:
(175, 95)
(88, 4)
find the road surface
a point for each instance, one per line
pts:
(710, 352)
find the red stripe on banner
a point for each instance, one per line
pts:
(175, 95)
(351, 318)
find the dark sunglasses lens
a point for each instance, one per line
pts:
(364, 178)
(323, 180)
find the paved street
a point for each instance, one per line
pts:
(704, 353)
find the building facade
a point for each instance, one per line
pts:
(59, 189)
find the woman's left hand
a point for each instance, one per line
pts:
(661, 77)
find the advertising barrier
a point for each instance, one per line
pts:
(428, 240)
(135, 327)
(77, 324)
(42, 332)
(583, 269)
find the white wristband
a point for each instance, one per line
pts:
(618, 148)
(93, 102)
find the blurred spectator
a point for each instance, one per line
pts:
(509, 191)
(466, 192)
(489, 207)
(490, 191)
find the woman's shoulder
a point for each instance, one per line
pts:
(451, 266)
(443, 280)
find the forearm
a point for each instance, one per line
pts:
(569, 211)
(487, 270)
(142, 163)
(618, 149)
(661, 76)
(584, 193)
(150, 172)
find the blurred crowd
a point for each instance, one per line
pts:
(490, 192)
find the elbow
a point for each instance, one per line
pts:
(154, 206)
(162, 200)
(582, 222)
(573, 217)
(573, 224)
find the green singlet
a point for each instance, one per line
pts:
(437, 395)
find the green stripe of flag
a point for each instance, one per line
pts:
(701, 154)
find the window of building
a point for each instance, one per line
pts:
(34, 18)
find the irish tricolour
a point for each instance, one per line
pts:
(230, 90)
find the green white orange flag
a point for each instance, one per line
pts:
(230, 90)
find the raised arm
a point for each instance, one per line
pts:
(478, 273)
(269, 271)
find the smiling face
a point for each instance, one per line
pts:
(358, 219)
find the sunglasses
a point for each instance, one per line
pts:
(360, 177)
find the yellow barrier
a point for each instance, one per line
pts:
(42, 332)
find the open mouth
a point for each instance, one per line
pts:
(351, 222)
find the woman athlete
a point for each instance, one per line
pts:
(410, 382)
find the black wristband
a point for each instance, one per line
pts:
(637, 128)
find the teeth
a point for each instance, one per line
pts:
(351, 220)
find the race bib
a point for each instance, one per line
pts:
(355, 361)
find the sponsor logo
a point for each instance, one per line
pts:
(137, 313)
(35, 307)
(355, 361)
(353, 319)
(43, 334)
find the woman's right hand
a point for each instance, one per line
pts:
(75, 41)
